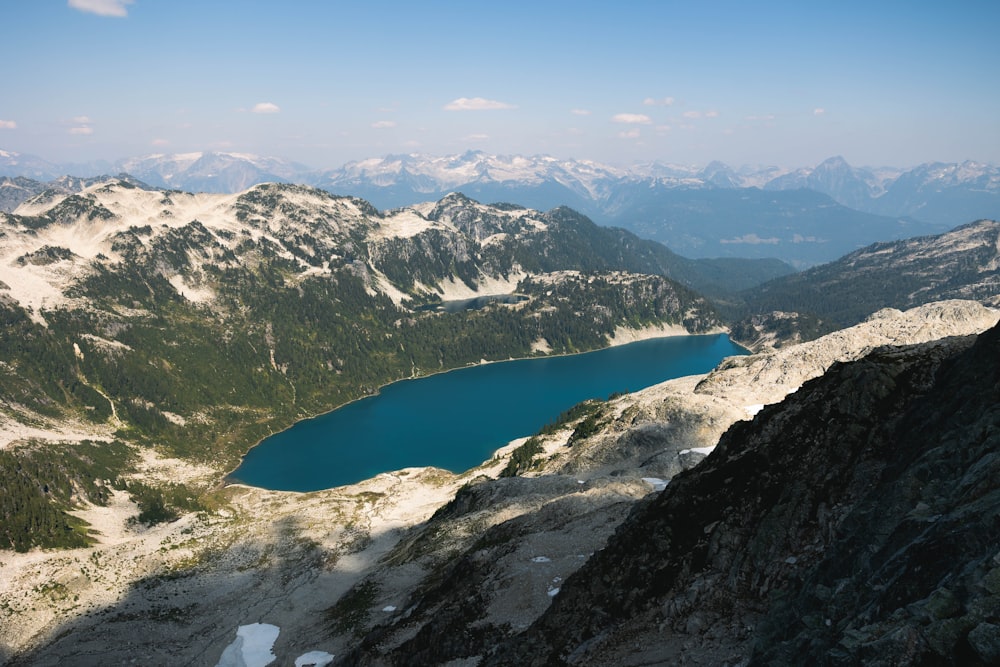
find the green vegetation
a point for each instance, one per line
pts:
(522, 458)
(41, 484)
(587, 427)
(162, 504)
(586, 415)
(579, 411)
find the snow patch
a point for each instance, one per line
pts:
(752, 410)
(192, 294)
(541, 559)
(314, 659)
(252, 647)
(657, 483)
(404, 223)
(384, 285)
(697, 450)
(455, 290)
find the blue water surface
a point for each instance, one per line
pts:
(456, 420)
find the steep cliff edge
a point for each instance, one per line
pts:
(855, 522)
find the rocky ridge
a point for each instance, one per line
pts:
(854, 523)
(963, 263)
(523, 537)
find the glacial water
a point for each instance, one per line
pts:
(456, 420)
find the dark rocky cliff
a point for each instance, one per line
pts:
(857, 522)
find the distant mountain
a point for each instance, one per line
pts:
(212, 172)
(539, 182)
(14, 190)
(943, 193)
(806, 217)
(29, 166)
(716, 211)
(801, 227)
(834, 177)
(963, 263)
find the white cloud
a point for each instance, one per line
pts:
(633, 118)
(117, 8)
(382, 124)
(769, 116)
(798, 238)
(664, 102)
(82, 129)
(265, 107)
(712, 113)
(82, 120)
(692, 114)
(629, 134)
(8, 125)
(476, 104)
(160, 142)
(819, 111)
(477, 137)
(579, 112)
(751, 239)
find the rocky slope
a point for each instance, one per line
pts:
(521, 538)
(853, 523)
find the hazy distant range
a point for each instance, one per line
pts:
(803, 216)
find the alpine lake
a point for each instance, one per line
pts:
(456, 420)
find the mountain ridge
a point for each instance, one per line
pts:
(804, 216)
(829, 551)
(961, 263)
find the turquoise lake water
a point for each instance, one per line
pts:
(456, 420)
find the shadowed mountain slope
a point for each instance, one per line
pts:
(854, 523)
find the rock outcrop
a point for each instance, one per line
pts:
(854, 523)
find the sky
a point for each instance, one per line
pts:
(880, 82)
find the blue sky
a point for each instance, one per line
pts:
(325, 82)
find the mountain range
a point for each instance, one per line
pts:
(150, 336)
(803, 216)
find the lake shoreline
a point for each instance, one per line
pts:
(622, 336)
